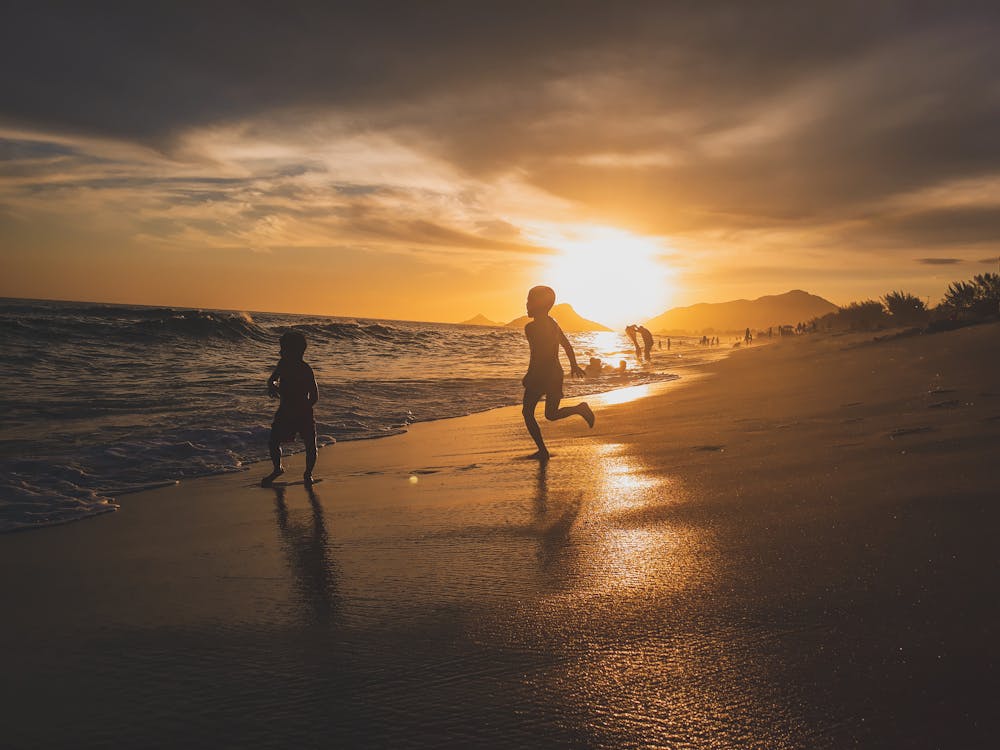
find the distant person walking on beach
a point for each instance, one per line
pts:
(545, 375)
(747, 338)
(631, 331)
(647, 342)
(293, 381)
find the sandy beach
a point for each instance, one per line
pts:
(793, 547)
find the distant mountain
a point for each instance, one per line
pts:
(567, 318)
(774, 310)
(480, 320)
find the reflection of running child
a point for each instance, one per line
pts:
(545, 375)
(294, 382)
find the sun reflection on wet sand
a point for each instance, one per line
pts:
(620, 565)
(628, 548)
(620, 396)
(636, 661)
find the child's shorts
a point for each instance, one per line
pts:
(288, 424)
(549, 384)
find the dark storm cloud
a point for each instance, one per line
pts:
(145, 70)
(763, 114)
(944, 227)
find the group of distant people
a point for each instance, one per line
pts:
(634, 332)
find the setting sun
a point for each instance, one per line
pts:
(607, 274)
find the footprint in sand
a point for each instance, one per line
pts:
(952, 404)
(710, 448)
(940, 391)
(903, 431)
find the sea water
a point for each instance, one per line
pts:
(103, 400)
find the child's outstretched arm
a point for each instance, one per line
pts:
(574, 368)
(272, 382)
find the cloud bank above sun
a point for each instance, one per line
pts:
(407, 160)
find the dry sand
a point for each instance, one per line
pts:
(794, 549)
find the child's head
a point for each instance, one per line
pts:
(293, 344)
(540, 300)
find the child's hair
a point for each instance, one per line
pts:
(545, 296)
(293, 343)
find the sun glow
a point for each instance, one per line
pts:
(607, 274)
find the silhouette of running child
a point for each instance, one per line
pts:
(294, 382)
(545, 375)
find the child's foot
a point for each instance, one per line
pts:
(266, 481)
(307, 479)
(542, 455)
(587, 413)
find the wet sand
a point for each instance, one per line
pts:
(793, 549)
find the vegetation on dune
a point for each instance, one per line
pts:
(964, 302)
(905, 308)
(980, 296)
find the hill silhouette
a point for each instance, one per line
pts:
(480, 320)
(772, 310)
(567, 318)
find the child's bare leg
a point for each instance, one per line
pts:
(274, 448)
(528, 412)
(310, 441)
(553, 412)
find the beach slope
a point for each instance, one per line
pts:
(792, 548)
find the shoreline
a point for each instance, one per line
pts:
(115, 503)
(788, 549)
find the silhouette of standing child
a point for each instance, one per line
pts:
(545, 375)
(294, 382)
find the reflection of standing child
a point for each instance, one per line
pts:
(294, 382)
(545, 375)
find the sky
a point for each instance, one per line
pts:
(432, 161)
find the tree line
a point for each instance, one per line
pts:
(964, 302)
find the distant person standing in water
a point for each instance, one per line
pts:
(545, 375)
(747, 338)
(647, 342)
(293, 381)
(631, 331)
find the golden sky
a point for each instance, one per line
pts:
(432, 161)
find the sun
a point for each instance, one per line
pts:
(607, 274)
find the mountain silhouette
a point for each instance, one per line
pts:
(773, 310)
(567, 318)
(480, 320)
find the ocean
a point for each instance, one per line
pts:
(103, 400)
